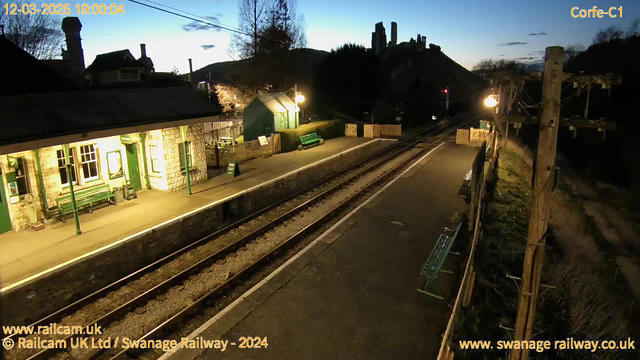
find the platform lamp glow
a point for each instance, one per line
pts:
(298, 98)
(490, 101)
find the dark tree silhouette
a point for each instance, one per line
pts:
(609, 34)
(37, 34)
(349, 80)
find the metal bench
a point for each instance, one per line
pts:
(310, 140)
(466, 182)
(433, 267)
(85, 198)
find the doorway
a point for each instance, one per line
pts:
(134, 167)
(5, 220)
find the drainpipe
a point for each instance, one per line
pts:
(73, 195)
(143, 136)
(41, 187)
(183, 131)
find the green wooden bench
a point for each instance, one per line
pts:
(310, 140)
(85, 199)
(433, 267)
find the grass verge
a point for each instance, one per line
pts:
(586, 304)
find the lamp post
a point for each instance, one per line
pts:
(298, 98)
(68, 166)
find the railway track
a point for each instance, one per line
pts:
(248, 245)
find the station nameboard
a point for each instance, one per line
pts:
(126, 139)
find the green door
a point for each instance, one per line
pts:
(5, 221)
(134, 168)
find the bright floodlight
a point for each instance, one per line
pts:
(490, 102)
(300, 98)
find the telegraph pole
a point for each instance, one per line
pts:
(545, 165)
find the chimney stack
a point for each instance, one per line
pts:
(71, 26)
(190, 69)
(143, 50)
(394, 33)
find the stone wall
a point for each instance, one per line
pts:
(171, 138)
(39, 297)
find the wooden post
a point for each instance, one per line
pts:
(542, 183)
(469, 290)
(586, 107)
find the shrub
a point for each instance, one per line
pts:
(328, 129)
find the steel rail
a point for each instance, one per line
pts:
(251, 269)
(165, 285)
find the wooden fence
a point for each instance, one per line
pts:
(351, 130)
(480, 181)
(378, 130)
(478, 135)
(462, 136)
(220, 158)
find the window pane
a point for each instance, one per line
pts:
(22, 186)
(93, 168)
(63, 176)
(181, 155)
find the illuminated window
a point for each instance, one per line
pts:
(21, 177)
(189, 155)
(154, 155)
(62, 168)
(89, 162)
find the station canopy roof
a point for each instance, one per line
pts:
(38, 116)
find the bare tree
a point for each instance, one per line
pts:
(607, 35)
(37, 34)
(232, 98)
(572, 51)
(252, 17)
(270, 24)
(634, 28)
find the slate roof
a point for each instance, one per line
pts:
(115, 60)
(21, 73)
(40, 116)
(277, 102)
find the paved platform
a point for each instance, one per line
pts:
(27, 253)
(352, 292)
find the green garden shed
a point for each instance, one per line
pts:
(267, 114)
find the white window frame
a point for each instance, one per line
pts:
(88, 158)
(73, 170)
(154, 158)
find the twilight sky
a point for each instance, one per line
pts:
(467, 30)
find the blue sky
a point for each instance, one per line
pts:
(467, 30)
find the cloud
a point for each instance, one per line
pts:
(201, 26)
(513, 43)
(503, 54)
(526, 58)
(207, 46)
(538, 34)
